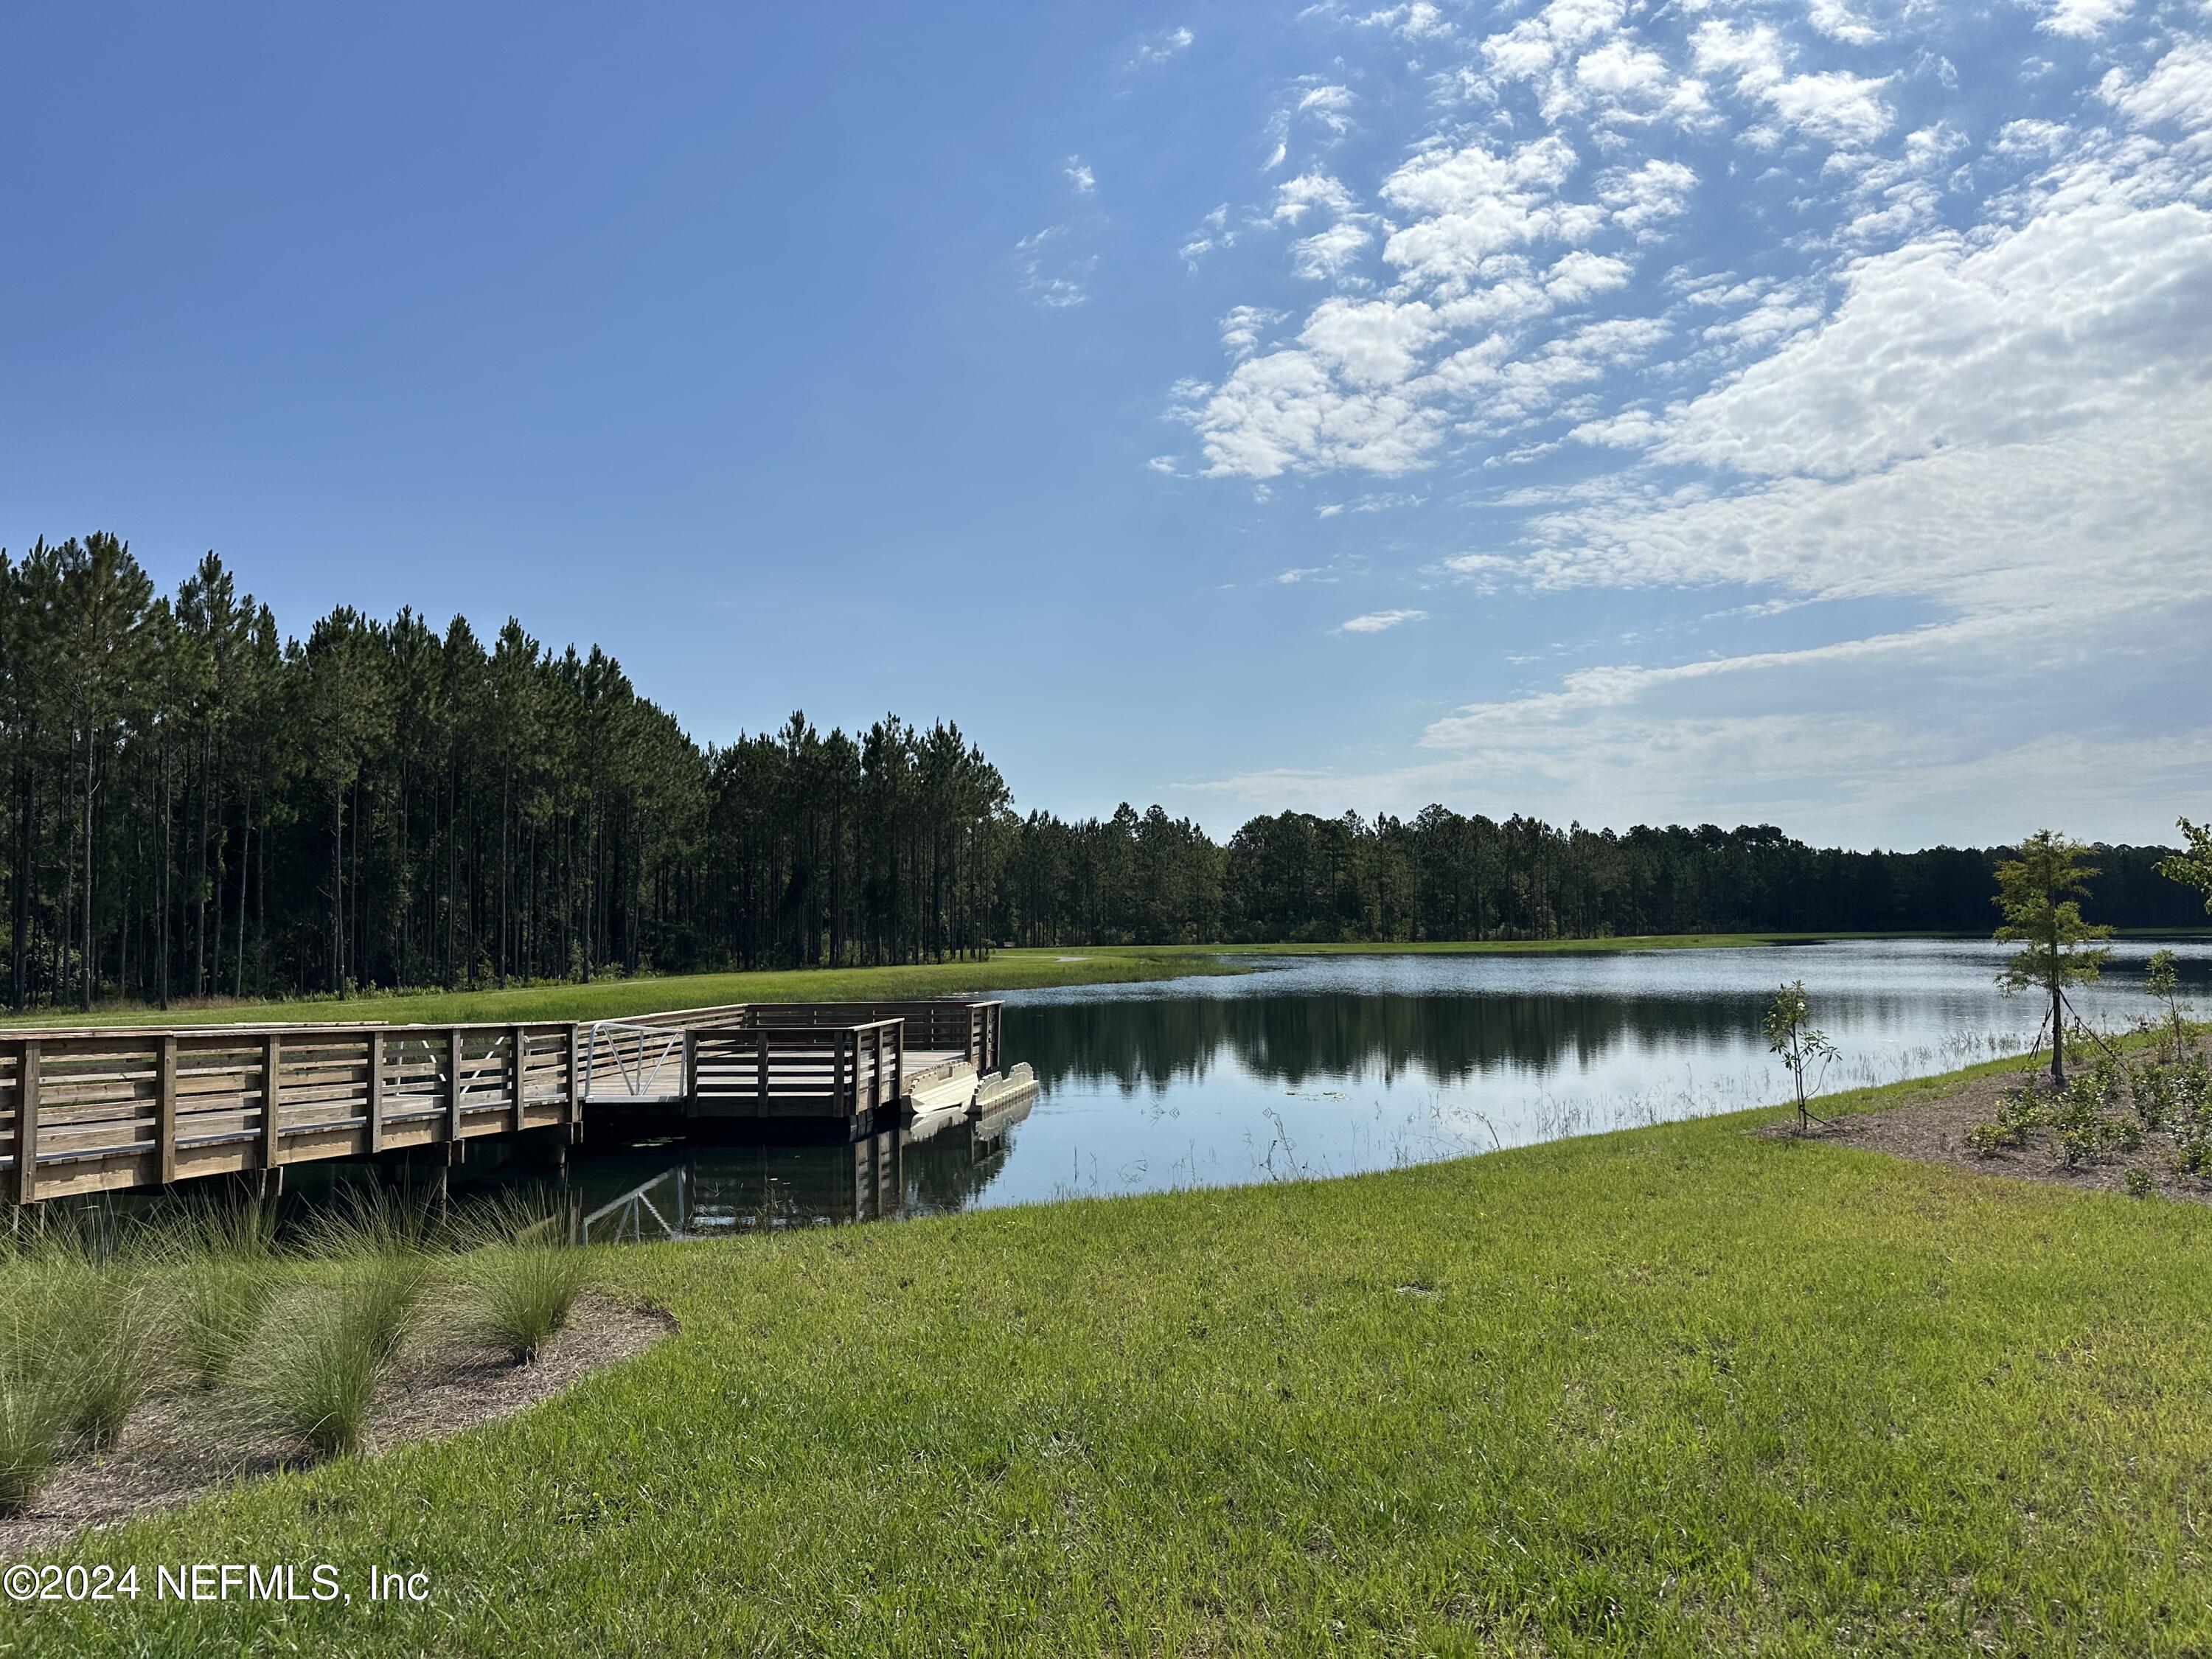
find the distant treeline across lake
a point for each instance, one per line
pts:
(198, 804)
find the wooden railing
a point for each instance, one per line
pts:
(798, 1071)
(93, 1111)
(88, 1110)
(965, 1026)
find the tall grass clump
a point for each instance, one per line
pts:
(313, 1374)
(521, 1281)
(220, 1304)
(107, 1350)
(79, 1328)
(34, 1395)
(224, 1271)
(366, 1221)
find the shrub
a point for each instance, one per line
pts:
(2019, 1115)
(1988, 1139)
(2139, 1182)
(2151, 1087)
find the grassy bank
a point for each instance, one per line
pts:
(1675, 1390)
(1006, 970)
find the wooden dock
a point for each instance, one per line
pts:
(91, 1110)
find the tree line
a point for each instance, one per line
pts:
(200, 805)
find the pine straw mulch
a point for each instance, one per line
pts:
(1935, 1132)
(169, 1452)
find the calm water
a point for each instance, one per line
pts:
(1330, 1066)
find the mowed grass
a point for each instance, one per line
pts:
(1676, 1391)
(613, 998)
(1004, 970)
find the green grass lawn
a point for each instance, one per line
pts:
(612, 999)
(1675, 1390)
(1006, 970)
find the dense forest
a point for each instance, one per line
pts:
(198, 804)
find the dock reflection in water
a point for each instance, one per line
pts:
(938, 1163)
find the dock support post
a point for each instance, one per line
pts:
(27, 1122)
(453, 1085)
(518, 1068)
(573, 1113)
(273, 1103)
(165, 1111)
(375, 1092)
(760, 1080)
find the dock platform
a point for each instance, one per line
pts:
(110, 1110)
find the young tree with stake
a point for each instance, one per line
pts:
(2039, 894)
(1791, 1035)
(2163, 981)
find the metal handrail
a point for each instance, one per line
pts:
(633, 1073)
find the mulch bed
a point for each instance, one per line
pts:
(168, 1455)
(1935, 1132)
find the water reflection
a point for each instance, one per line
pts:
(1338, 1065)
(936, 1164)
(1298, 1039)
(1446, 1020)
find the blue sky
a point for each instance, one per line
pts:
(1701, 411)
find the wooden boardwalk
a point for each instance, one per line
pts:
(109, 1109)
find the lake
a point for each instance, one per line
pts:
(1329, 1065)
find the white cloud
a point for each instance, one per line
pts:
(1160, 47)
(1643, 197)
(1212, 231)
(1832, 104)
(1378, 622)
(2178, 90)
(1839, 21)
(1382, 503)
(1578, 276)
(1373, 342)
(1241, 326)
(1326, 255)
(1049, 272)
(1471, 204)
(1309, 191)
(1080, 178)
(2032, 138)
(1941, 390)
(1419, 20)
(1623, 69)
(2083, 20)
(1283, 412)
(1331, 105)
(2076, 315)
